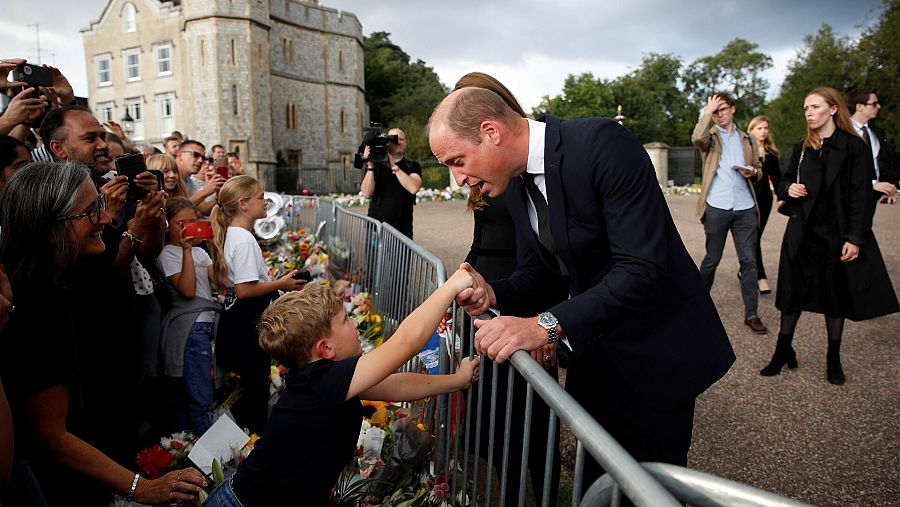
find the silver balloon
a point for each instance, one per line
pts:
(274, 203)
(269, 229)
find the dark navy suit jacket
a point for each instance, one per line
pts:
(636, 294)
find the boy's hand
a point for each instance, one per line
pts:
(468, 371)
(475, 295)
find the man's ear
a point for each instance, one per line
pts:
(490, 129)
(323, 349)
(58, 148)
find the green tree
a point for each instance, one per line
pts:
(399, 91)
(825, 59)
(736, 69)
(654, 106)
(879, 50)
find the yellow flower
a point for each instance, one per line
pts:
(379, 342)
(421, 426)
(253, 438)
(377, 317)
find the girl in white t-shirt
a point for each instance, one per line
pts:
(188, 326)
(240, 271)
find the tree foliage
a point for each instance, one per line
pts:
(399, 92)
(879, 50)
(826, 59)
(736, 69)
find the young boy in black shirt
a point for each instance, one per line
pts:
(312, 432)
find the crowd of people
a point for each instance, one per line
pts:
(580, 256)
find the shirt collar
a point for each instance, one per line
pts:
(858, 125)
(536, 140)
(725, 132)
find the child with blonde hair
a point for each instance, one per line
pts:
(240, 272)
(315, 424)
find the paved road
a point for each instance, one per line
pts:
(795, 433)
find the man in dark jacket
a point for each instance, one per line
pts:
(641, 333)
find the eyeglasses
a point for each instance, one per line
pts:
(94, 213)
(721, 110)
(874, 103)
(193, 153)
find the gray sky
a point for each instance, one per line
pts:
(530, 45)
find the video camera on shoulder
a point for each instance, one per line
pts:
(377, 141)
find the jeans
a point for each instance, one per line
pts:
(197, 379)
(743, 227)
(223, 496)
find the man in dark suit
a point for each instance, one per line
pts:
(864, 107)
(642, 336)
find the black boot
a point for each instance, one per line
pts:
(784, 355)
(835, 370)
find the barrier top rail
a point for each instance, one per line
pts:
(637, 483)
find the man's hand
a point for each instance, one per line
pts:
(115, 191)
(213, 183)
(7, 65)
(713, 102)
(24, 108)
(747, 173)
(147, 181)
(478, 298)
(849, 252)
(61, 87)
(501, 336)
(545, 356)
(150, 214)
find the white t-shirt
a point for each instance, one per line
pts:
(243, 256)
(170, 263)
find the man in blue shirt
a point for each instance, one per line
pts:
(727, 201)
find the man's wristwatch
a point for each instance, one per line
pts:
(548, 321)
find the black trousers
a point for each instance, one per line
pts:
(647, 433)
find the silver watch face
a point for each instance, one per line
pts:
(547, 320)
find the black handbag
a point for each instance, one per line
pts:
(787, 206)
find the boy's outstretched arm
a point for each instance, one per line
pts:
(410, 337)
(415, 386)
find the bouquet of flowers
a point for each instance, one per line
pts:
(170, 454)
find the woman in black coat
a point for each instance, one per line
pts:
(760, 128)
(830, 262)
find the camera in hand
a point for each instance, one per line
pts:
(377, 141)
(302, 274)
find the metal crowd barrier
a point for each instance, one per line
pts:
(400, 276)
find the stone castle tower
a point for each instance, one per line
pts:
(275, 80)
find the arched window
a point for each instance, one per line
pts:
(128, 14)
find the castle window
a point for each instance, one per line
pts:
(132, 64)
(290, 113)
(288, 45)
(343, 121)
(202, 52)
(233, 59)
(164, 60)
(104, 75)
(128, 17)
(234, 97)
(259, 55)
(341, 60)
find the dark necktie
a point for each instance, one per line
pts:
(866, 137)
(543, 213)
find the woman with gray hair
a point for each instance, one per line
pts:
(52, 216)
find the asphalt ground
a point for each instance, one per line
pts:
(794, 434)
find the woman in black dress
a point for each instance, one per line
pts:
(830, 261)
(760, 128)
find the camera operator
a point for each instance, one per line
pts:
(392, 185)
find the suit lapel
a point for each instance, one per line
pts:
(555, 195)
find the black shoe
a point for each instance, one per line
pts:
(781, 357)
(836, 372)
(756, 325)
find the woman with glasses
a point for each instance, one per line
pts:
(830, 261)
(52, 216)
